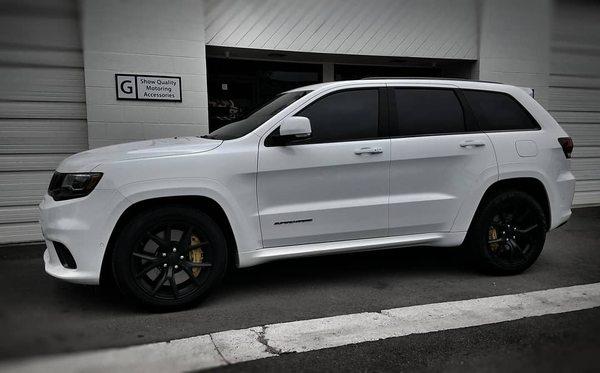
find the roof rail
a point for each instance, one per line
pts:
(425, 77)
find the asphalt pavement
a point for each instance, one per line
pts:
(41, 316)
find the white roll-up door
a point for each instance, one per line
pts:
(42, 106)
(575, 89)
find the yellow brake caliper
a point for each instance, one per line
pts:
(196, 255)
(492, 236)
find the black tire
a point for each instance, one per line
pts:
(508, 233)
(169, 257)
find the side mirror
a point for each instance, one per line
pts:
(298, 127)
(291, 129)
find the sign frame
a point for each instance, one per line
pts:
(136, 98)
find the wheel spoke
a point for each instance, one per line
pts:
(196, 246)
(168, 233)
(516, 249)
(527, 230)
(186, 237)
(145, 256)
(148, 268)
(159, 241)
(497, 240)
(174, 286)
(193, 264)
(188, 271)
(522, 216)
(161, 280)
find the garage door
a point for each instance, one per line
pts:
(575, 89)
(42, 106)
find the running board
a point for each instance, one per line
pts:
(251, 258)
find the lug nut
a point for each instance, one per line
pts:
(174, 250)
(181, 257)
(165, 265)
(164, 254)
(176, 266)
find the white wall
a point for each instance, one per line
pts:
(410, 28)
(514, 45)
(575, 89)
(143, 37)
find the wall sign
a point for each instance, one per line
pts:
(148, 87)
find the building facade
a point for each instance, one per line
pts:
(59, 58)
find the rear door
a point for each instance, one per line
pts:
(438, 158)
(334, 186)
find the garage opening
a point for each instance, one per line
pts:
(240, 80)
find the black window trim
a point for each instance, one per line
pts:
(511, 97)
(470, 124)
(382, 118)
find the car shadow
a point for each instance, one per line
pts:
(291, 275)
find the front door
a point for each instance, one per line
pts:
(333, 186)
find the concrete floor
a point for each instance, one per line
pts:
(40, 315)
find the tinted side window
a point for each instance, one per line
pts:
(427, 111)
(344, 116)
(498, 111)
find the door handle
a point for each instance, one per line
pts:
(369, 150)
(471, 143)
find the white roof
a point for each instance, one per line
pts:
(458, 83)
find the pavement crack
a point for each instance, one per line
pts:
(218, 351)
(262, 339)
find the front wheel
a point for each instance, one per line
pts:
(508, 233)
(169, 257)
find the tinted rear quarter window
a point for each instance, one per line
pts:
(427, 111)
(344, 116)
(497, 111)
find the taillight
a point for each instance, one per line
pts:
(567, 145)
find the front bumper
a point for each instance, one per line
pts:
(83, 226)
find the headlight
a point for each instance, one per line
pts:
(68, 186)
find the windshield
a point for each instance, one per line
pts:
(256, 118)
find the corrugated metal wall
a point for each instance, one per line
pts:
(575, 89)
(409, 28)
(42, 106)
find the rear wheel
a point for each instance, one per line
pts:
(169, 257)
(508, 234)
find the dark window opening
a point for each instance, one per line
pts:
(344, 116)
(426, 111)
(496, 111)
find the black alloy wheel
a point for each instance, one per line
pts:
(171, 261)
(509, 233)
(169, 257)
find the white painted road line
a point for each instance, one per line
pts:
(235, 346)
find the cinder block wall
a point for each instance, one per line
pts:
(514, 44)
(143, 37)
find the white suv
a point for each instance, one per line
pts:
(329, 168)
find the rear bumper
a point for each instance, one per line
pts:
(563, 199)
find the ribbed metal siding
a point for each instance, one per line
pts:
(575, 89)
(42, 106)
(410, 28)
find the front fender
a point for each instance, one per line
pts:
(245, 227)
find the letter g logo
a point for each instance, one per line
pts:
(127, 86)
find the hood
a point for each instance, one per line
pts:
(88, 160)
